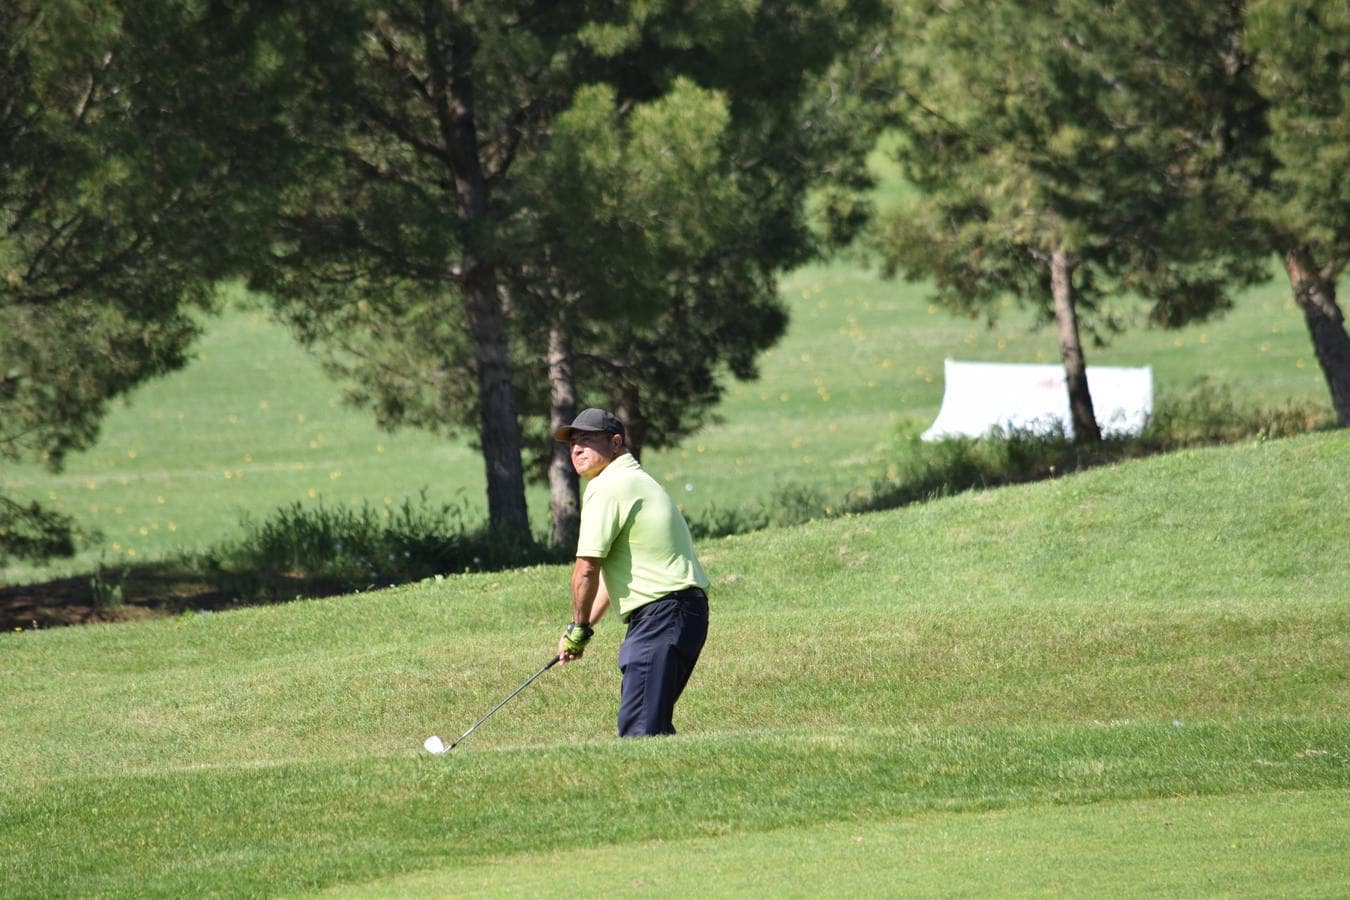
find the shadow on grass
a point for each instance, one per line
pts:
(296, 552)
(148, 591)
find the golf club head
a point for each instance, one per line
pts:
(434, 744)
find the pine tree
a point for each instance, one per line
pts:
(1301, 195)
(1066, 151)
(122, 125)
(499, 195)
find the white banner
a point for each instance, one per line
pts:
(981, 396)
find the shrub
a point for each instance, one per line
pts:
(350, 548)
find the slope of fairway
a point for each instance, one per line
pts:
(1191, 847)
(1162, 642)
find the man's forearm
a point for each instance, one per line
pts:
(585, 585)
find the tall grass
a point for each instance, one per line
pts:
(406, 542)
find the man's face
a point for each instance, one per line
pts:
(592, 451)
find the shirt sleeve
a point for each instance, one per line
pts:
(601, 520)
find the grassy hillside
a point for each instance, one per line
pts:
(252, 424)
(1021, 691)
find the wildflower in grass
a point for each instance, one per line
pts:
(173, 526)
(131, 454)
(263, 404)
(160, 499)
(312, 492)
(335, 475)
(232, 419)
(248, 457)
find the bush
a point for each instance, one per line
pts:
(351, 548)
(788, 505)
(1209, 415)
(918, 470)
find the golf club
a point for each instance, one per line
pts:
(434, 744)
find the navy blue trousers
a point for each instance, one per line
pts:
(657, 657)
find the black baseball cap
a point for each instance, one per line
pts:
(593, 420)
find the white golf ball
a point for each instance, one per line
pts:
(434, 745)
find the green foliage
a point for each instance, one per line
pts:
(107, 587)
(1074, 127)
(335, 549)
(786, 505)
(124, 126)
(31, 531)
(919, 470)
(639, 173)
(1300, 67)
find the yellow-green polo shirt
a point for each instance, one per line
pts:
(630, 523)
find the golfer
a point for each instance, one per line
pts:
(634, 552)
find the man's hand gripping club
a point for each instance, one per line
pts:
(590, 601)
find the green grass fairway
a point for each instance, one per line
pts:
(1287, 843)
(1129, 681)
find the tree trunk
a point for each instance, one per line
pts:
(1085, 430)
(1315, 292)
(564, 493)
(629, 412)
(499, 431)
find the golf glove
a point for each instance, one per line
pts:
(576, 636)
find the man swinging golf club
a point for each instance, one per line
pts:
(634, 552)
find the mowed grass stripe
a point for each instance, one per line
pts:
(1008, 667)
(300, 827)
(1284, 844)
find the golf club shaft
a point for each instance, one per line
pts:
(548, 665)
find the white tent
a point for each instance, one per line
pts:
(981, 396)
